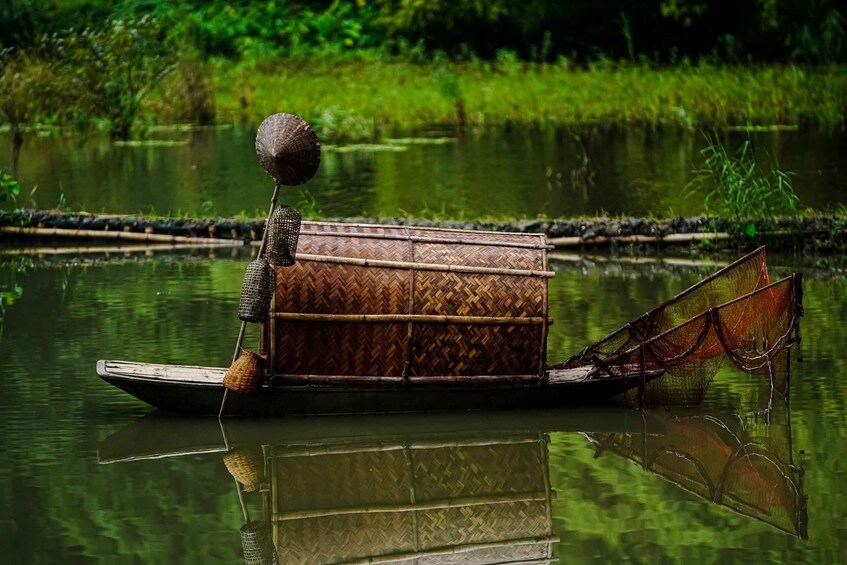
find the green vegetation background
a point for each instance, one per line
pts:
(357, 68)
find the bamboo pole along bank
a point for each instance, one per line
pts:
(563, 242)
(556, 242)
(147, 237)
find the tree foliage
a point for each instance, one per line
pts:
(660, 30)
(73, 76)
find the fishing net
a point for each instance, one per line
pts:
(754, 332)
(741, 277)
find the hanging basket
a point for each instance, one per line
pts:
(246, 373)
(283, 233)
(245, 465)
(258, 545)
(256, 292)
(288, 149)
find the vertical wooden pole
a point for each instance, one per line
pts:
(240, 340)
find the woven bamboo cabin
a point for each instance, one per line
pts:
(370, 303)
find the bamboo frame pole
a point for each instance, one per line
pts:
(411, 228)
(240, 340)
(380, 263)
(419, 318)
(422, 239)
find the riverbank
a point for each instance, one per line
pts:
(366, 98)
(808, 234)
(352, 100)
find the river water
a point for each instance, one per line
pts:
(89, 475)
(500, 173)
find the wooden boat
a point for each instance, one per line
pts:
(469, 488)
(393, 319)
(198, 390)
(398, 319)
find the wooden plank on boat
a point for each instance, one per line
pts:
(577, 374)
(172, 373)
(214, 375)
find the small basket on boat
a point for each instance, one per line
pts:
(256, 291)
(258, 545)
(288, 149)
(245, 465)
(246, 373)
(283, 233)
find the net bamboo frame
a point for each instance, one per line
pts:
(755, 332)
(736, 279)
(737, 314)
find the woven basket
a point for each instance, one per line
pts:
(245, 465)
(257, 544)
(288, 149)
(256, 291)
(283, 232)
(246, 373)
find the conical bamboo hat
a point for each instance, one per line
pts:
(288, 149)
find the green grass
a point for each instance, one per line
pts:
(356, 100)
(742, 189)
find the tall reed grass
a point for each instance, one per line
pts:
(358, 99)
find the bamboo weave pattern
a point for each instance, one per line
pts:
(414, 348)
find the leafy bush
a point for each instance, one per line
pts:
(9, 187)
(28, 90)
(109, 71)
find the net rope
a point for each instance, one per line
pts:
(676, 349)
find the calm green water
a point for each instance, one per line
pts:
(89, 476)
(511, 173)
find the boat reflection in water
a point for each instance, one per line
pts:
(458, 488)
